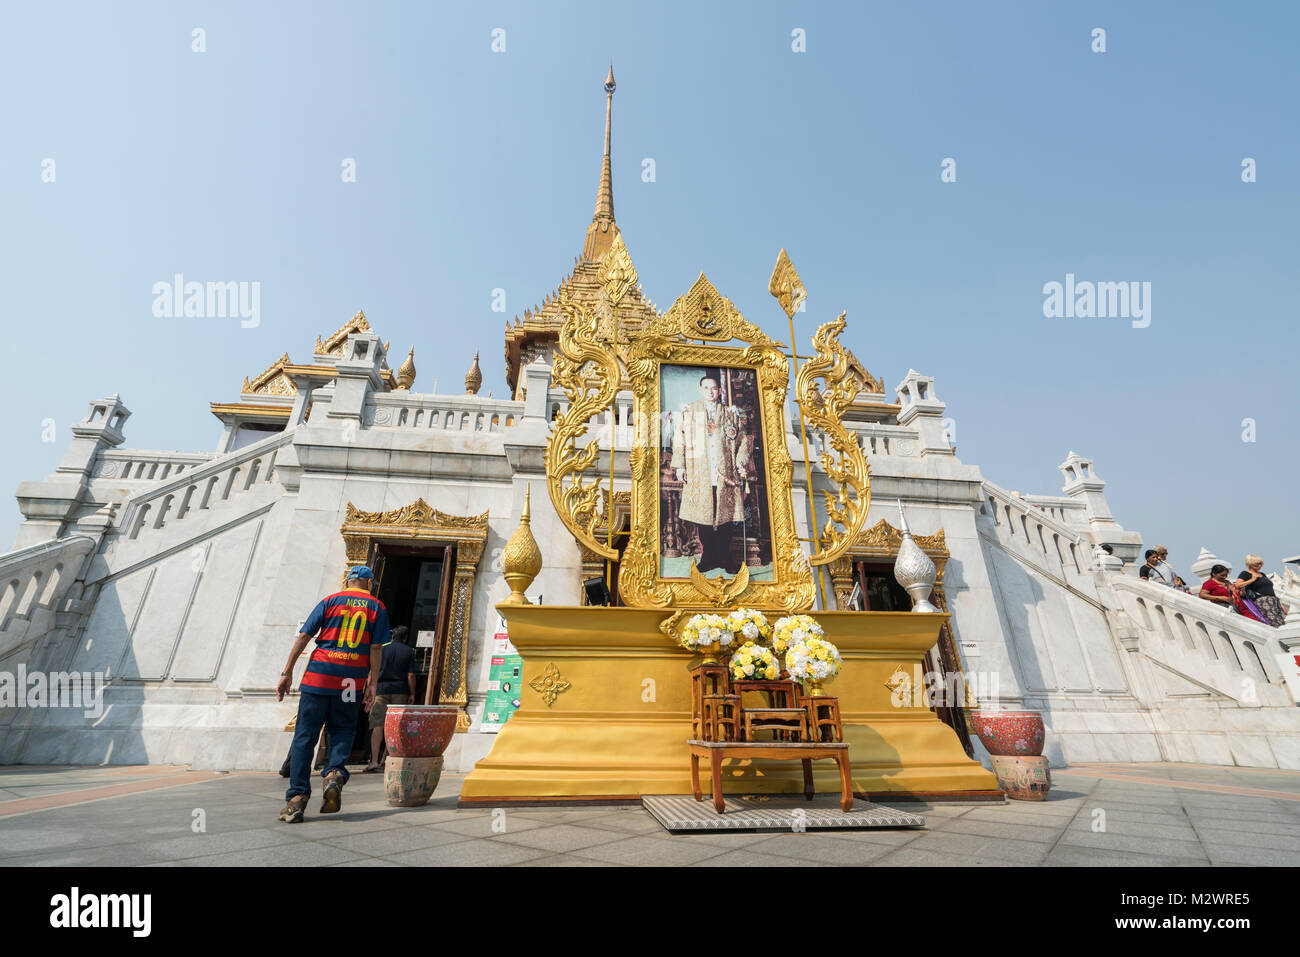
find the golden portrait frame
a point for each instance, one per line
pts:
(705, 314)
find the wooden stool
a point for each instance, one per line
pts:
(710, 679)
(780, 694)
(783, 722)
(823, 717)
(721, 718)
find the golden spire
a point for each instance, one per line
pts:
(406, 374)
(473, 378)
(522, 559)
(603, 229)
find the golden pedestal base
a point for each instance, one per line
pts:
(605, 714)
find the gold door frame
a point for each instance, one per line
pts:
(419, 523)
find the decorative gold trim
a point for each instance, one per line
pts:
(823, 408)
(704, 313)
(272, 381)
(550, 684)
(786, 285)
(418, 515)
(250, 410)
(586, 368)
(421, 522)
(337, 342)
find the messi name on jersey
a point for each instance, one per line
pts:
(349, 623)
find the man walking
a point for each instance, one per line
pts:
(396, 686)
(711, 456)
(353, 627)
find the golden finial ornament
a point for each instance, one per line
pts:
(473, 378)
(522, 559)
(786, 285)
(406, 374)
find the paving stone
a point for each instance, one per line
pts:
(1231, 836)
(564, 860)
(481, 825)
(468, 854)
(1010, 850)
(651, 851)
(394, 841)
(1066, 855)
(912, 857)
(1256, 856)
(367, 862)
(1013, 830)
(1135, 844)
(1174, 830)
(825, 848)
(562, 837)
(309, 854)
(754, 859)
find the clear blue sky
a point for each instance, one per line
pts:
(478, 170)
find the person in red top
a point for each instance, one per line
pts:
(1219, 590)
(351, 628)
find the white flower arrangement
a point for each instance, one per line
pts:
(749, 625)
(704, 631)
(813, 659)
(754, 663)
(794, 630)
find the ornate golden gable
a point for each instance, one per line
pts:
(271, 382)
(335, 344)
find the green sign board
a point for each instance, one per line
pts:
(504, 677)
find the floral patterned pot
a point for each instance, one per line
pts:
(419, 730)
(1010, 733)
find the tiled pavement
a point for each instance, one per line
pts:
(1096, 816)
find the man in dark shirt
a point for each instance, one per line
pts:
(396, 686)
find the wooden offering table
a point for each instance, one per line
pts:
(804, 751)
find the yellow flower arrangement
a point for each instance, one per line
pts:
(754, 662)
(704, 631)
(794, 630)
(750, 625)
(813, 660)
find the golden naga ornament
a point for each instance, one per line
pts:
(586, 368)
(845, 465)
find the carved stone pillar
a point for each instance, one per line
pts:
(453, 689)
(842, 581)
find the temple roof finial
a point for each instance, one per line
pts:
(473, 378)
(601, 232)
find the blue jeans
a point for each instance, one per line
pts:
(340, 718)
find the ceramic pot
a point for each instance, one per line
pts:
(1023, 779)
(419, 730)
(1010, 733)
(410, 782)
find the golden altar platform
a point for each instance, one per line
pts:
(605, 714)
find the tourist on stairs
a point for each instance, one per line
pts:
(1257, 588)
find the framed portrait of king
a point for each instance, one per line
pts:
(713, 507)
(713, 518)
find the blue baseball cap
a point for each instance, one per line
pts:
(361, 571)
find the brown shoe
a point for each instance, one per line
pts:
(332, 800)
(292, 813)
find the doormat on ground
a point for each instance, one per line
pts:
(681, 813)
